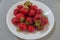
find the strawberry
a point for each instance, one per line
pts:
(31, 28)
(15, 21)
(29, 20)
(20, 17)
(16, 11)
(24, 11)
(38, 25)
(34, 7)
(19, 7)
(39, 11)
(22, 26)
(44, 21)
(37, 17)
(31, 12)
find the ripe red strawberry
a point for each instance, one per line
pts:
(39, 11)
(22, 26)
(15, 21)
(19, 7)
(24, 11)
(33, 7)
(31, 12)
(44, 21)
(37, 17)
(29, 20)
(31, 28)
(20, 17)
(16, 11)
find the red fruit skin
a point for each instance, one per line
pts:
(15, 21)
(31, 13)
(22, 26)
(19, 16)
(29, 19)
(16, 11)
(37, 17)
(19, 7)
(31, 28)
(24, 11)
(34, 7)
(39, 11)
(44, 21)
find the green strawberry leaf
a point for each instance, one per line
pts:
(37, 23)
(21, 19)
(18, 30)
(28, 3)
(26, 7)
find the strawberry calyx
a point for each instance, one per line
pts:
(21, 19)
(37, 23)
(28, 3)
(27, 23)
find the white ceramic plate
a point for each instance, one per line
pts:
(36, 35)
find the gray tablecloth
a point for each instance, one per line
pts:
(5, 34)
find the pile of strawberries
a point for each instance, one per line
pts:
(29, 17)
